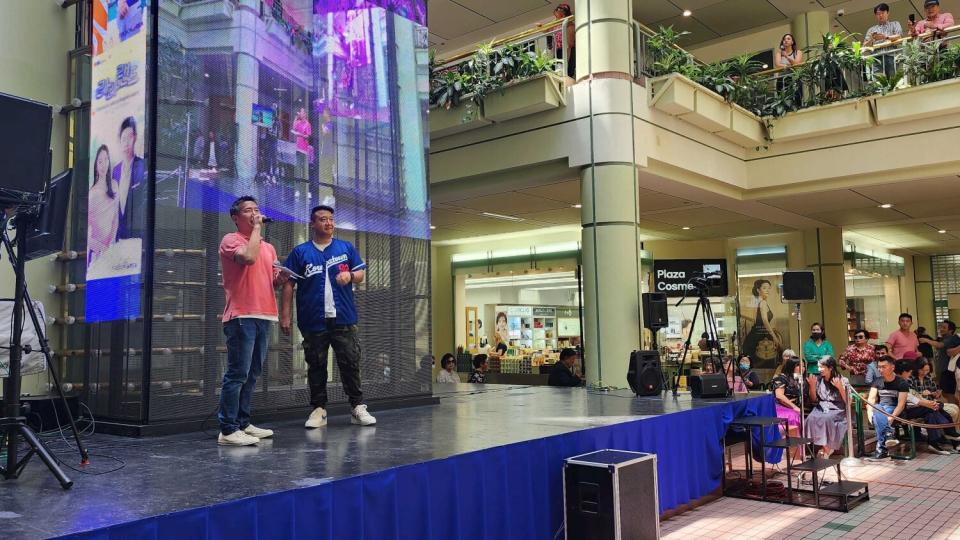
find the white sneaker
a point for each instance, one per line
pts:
(361, 417)
(318, 418)
(259, 433)
(237, 438)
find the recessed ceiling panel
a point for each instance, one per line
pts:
(568, 192)
(449, 19)
(914, 190)
(698, 32)
(856, 216)
(824, 201)
(650, 201)
(652, 11)
(563, 216)
(734, 16)
(499, 10)
(697, 217)
(510, 203)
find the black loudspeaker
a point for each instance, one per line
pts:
(654, 310)
(709, 385)
(644, 374)
(799, 286)
(611, 494)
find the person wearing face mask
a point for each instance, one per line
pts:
(816, 347)
(749, 377)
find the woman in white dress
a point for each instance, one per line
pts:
(448, 373)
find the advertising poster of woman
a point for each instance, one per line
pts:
(502, 331)
(764, 321)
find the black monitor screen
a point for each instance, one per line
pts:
(46, 236)
(24, 144)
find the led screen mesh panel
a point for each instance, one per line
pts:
(296, 103)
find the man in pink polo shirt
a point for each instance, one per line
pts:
(903, 340)
(249, 279)
(935, 21)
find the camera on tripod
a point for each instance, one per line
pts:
(702, 282)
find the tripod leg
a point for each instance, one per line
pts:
(31, 438)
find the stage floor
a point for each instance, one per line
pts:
(166, 474)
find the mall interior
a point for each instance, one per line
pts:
(573, 161)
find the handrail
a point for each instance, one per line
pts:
(539, 29)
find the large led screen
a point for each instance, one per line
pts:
(323, 102)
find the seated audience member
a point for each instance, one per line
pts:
(859, 358)
(479, 368)
(923, 386)
(786, 390)
(786, 355)
(564, 372)
(911, 357)
(750, 378)
(888, 394)
(827, 422)
(448, 369)
(929, 412)
(933, 21)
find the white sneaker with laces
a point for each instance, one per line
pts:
(237, 438)
(259, 433)
(361, 417)
(318, 418)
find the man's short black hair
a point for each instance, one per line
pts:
(129, 122)
(882, 6)
(905, 315)
(952, 326)
(479, 360)
(567, 353)
(320, 207)
(235, 207)
(886, 358)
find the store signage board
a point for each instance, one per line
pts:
(672, 276)
(544, 312)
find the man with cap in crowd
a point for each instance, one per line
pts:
(935, 21)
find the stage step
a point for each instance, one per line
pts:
(792, 442)
(843, 488)
(816, 464)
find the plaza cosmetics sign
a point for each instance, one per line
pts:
(676, 277)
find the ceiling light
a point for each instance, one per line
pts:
(886, 205)
(578, 205)
(687, 13)
(501, 216)
(942, 231)
(685, 228)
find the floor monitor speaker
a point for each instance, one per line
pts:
(644, 374)
(709, 385)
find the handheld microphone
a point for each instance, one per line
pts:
(266, 220)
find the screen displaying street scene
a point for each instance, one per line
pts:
(321, 102)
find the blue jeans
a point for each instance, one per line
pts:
(247, 341)
(882, 423)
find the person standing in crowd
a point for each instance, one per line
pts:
(827, 422)
(889, 394)
(131, 188)
(103, 215)
(786, 390)
(479, 369)
(327, 314)
(762, 343)
(947, 346)
(934, 21)
(926, 350)
(816, 347)
(902, 340)
(860, 359)
(565, 372)
(448, 369)
(884, 30)
(249, 280)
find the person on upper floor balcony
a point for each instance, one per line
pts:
(885, 29)
(934, 21)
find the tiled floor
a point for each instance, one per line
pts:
(918, 499)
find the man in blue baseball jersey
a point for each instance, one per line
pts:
(326, 313)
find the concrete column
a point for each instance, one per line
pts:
(248, 82)
(923, 287)
(604, 37)
(807, 28)
(823, 250)
(611, 272)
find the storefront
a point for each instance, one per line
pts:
(872, 282)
